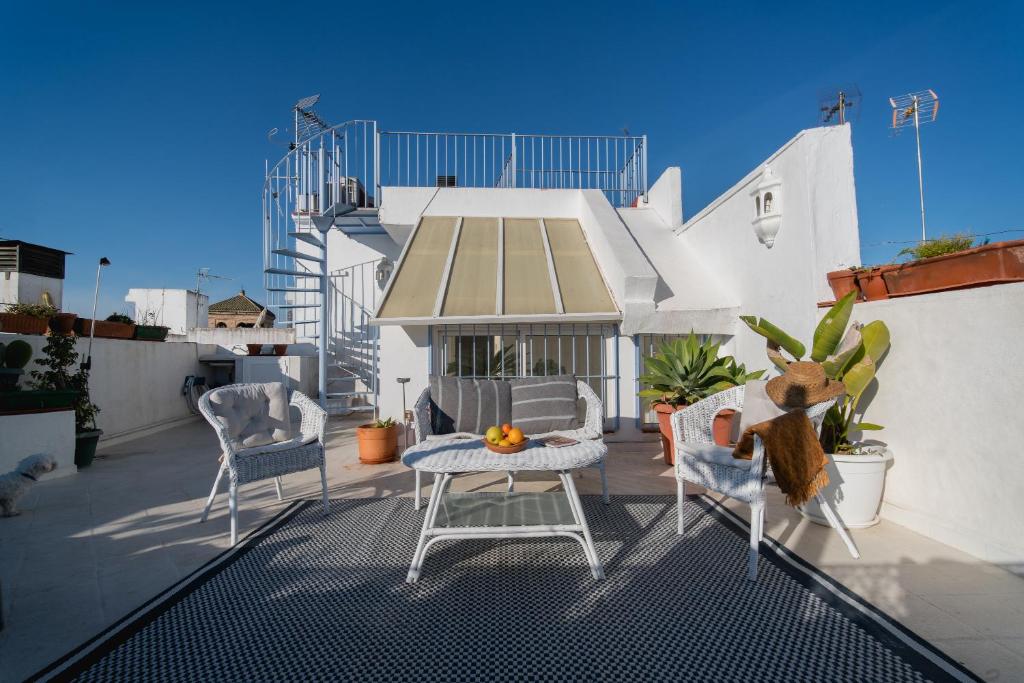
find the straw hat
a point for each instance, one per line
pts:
(803, 385)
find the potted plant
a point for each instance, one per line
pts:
(280, 349)
(378, 441)
(57, 376)
(148, 330)
(116, 326)
(254, 349)
(871, 282)
(13, 359)
(954, 262)
(26, 318)
(683, 372)
(843, 282)
(856, 469)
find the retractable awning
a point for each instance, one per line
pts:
(468, 269)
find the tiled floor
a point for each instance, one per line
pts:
(89, 548)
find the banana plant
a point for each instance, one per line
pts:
(849, 355)
(685, 370)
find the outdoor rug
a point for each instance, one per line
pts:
(312, 598)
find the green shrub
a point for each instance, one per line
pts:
(119, 318)
(946, 244)
(17, 354)
(34, 310)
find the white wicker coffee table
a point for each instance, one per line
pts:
(520, 515)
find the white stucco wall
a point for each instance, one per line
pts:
(173, 308)
(136, 384)
(818, 234)
(949, 396)
(51, 434)
(405, 352)
(26, 288)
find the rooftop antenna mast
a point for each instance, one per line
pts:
(307, 121)
(834, 104)
(914, 109)
(204, 275)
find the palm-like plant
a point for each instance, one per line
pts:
(685, 370)
(851, 358)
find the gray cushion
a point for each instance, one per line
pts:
(253, 414)
(468, 405)
(714, 455)
(544, 404)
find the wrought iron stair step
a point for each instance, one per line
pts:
(285, 271)
(299, 255)
(308, 238)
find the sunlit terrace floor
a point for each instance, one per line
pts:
(91, 547)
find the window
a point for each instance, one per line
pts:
(496, 351)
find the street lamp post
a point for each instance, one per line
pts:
(87, 365)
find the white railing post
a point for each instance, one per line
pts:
(376, 165)
(644, 162)
(513, 181)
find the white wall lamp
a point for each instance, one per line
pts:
(383, 271)
(767, 196)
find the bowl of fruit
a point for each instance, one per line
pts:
(505, 439)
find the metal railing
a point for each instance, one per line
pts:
(616, 165)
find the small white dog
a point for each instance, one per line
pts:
(14, 485)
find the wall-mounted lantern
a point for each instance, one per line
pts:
(767, 196)
(384, 269)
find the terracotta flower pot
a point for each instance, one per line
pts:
(843, 282)
(104, 329)
(63, 323)
(722, 427)
(664, 412)
(872, 282)
(19, 323)
(990, 264)
(377, 444)
(280, 349)
(254, 349)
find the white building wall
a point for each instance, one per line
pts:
(949, 397)
(26, 288)
(136, 384)
(405, 352)
(818, 234)
(173, 308)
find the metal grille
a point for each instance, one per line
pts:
(502, 351)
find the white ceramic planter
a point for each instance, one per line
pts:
(854, 489)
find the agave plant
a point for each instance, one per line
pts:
(685, 370)
(852, 358)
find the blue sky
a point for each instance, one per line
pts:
(137, 130)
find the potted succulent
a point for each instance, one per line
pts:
(148, 330)
(57, 377)
(856, 469)
(116, 326)
(954, 262)
(683, 372)
(26, 318)
(378, 441)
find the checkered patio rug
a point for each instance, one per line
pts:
(308, 597)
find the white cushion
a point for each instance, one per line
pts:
(757, 406)
(295, 442)
(715, 455)
(253, 414)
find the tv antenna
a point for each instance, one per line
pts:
(307, 122)
(834, 104)
(204, 275)
(915, 109)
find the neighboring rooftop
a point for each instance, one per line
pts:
(240, 303)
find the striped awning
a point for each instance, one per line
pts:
(469, 269)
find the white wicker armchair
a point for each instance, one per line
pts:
(592, 429)
(304, 451)
(700, 461)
